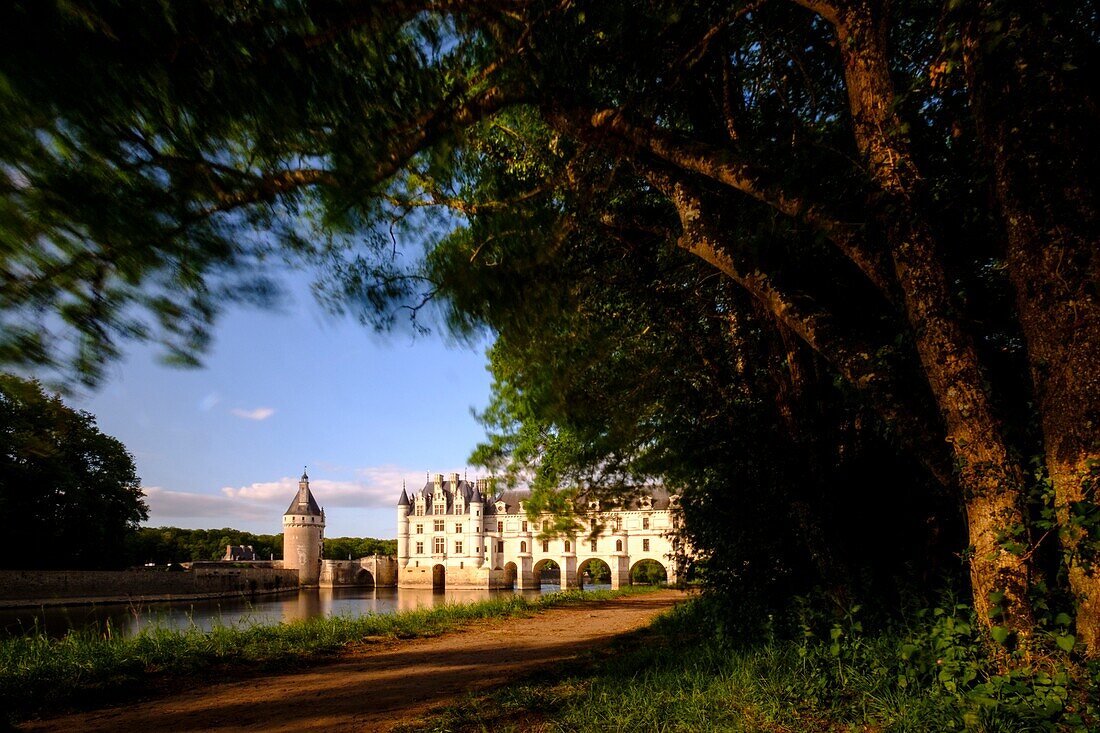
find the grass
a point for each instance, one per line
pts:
(38, 672)
(680, 674)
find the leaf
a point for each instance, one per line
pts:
(1065, 642)
(999, 634)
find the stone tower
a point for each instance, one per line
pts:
(304, 535)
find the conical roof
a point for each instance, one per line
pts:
(304, 503)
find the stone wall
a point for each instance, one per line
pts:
(49, 587)
(377, 570)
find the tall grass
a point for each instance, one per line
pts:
(38, 672)
(684, 674)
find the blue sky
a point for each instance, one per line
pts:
(223, 446)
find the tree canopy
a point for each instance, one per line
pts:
(889, 208)
(69, 493)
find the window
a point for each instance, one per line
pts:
(567, 545)
(420, 529)
(500, 526)
(500, 547)
(437, 508)
(523, 547)
(593, 545)
(419, 510)
(546, 546)
(618, 524)
(524, 528)
(477, 512)
(458, 548)
(439, 545)
(618, 545)
(645, 545)
(437, 525)
(419, 548)
(645, 522)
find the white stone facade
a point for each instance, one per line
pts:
(451, 534)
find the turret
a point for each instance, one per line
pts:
(304, 534)
(477, 523)
(403, 505)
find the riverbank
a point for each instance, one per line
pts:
(84, 670)
(53, 588)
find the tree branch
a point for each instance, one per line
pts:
(724, 166)
(857, 362)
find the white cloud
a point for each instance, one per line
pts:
(165, 504)
(264, 501)
(260, 413)
(364, 494)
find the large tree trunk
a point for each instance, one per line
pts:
(1044, 169)
(992, 481)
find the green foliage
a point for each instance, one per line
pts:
(163, 545)
(648, 572)
(69, 493)
(699, 668)
(665, 212)
(353, 548)
(1044, 689)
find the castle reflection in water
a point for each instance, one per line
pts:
(259, 610)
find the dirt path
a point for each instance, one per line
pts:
(379, 687)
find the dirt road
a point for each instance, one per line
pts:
(380, 686)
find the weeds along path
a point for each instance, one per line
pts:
(375, 687)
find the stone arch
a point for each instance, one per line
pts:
(510, 572)
(439, 577)
(543, 565)
(364, 578)
(597, 568)
(648, 571)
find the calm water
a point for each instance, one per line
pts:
(263, 610)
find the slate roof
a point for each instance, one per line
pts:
(658, 494)
(308, 507)
(467, 489)
(511, 498)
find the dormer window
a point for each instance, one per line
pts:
(501, 507)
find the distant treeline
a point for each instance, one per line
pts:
(343, 548)
(162, 545)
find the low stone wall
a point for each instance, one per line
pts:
(377, 570)
(61, 587)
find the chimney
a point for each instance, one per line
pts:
(438, 481)
(454, 481)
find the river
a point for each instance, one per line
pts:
(126, 620)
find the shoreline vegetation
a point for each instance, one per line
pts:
(696, 670)
(86, 668)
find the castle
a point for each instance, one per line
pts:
(453, 534)
(304, 544)
(457, 534)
